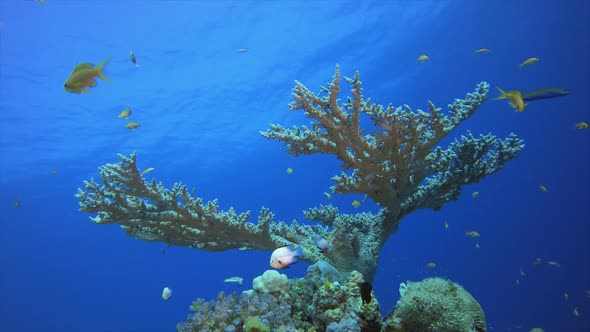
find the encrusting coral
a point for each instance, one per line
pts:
(311, 304)
(397, 164)
(308, 305)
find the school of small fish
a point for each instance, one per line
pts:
(84, 77)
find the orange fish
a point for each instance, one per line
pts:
(515, 98)
(132, 125)
(423, 58)
(529, 62)
(84, 76)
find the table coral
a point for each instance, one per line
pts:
(397, 164)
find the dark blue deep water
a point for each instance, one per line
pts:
(201, 105)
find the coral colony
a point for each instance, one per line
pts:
(397, 164)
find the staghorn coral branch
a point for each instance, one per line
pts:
(397, 163)
(150, 212)
(389, 163)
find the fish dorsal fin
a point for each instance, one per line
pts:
(85, 65)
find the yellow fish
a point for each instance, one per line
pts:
(54, 172)
(328, 195)
(537, 261)
(147, 170)
(430, 266)
(475, 194)
(554, 264)
(477, 245)
(327, 283)
(483, 50)
(522, 272)
(242, 50)
(446, 225)
(84, 76)
(529, 62)
(125, 113)
(423, 58)
(472, 234)
(581, 125)
(16, 203)
(517, 282)
(289, 170)
(515, 98)
(543, 188)
(132, 125)
(576, 313)
(356, 204)
(566, 297)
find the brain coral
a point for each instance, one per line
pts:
(436, 304)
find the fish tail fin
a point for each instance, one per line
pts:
(503, 94)
(99, 69)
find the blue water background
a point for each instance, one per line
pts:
(201, 105)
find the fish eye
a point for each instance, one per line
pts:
(65, 85)
(280, 261)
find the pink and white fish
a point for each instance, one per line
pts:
(322, 244)
(284, 256)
